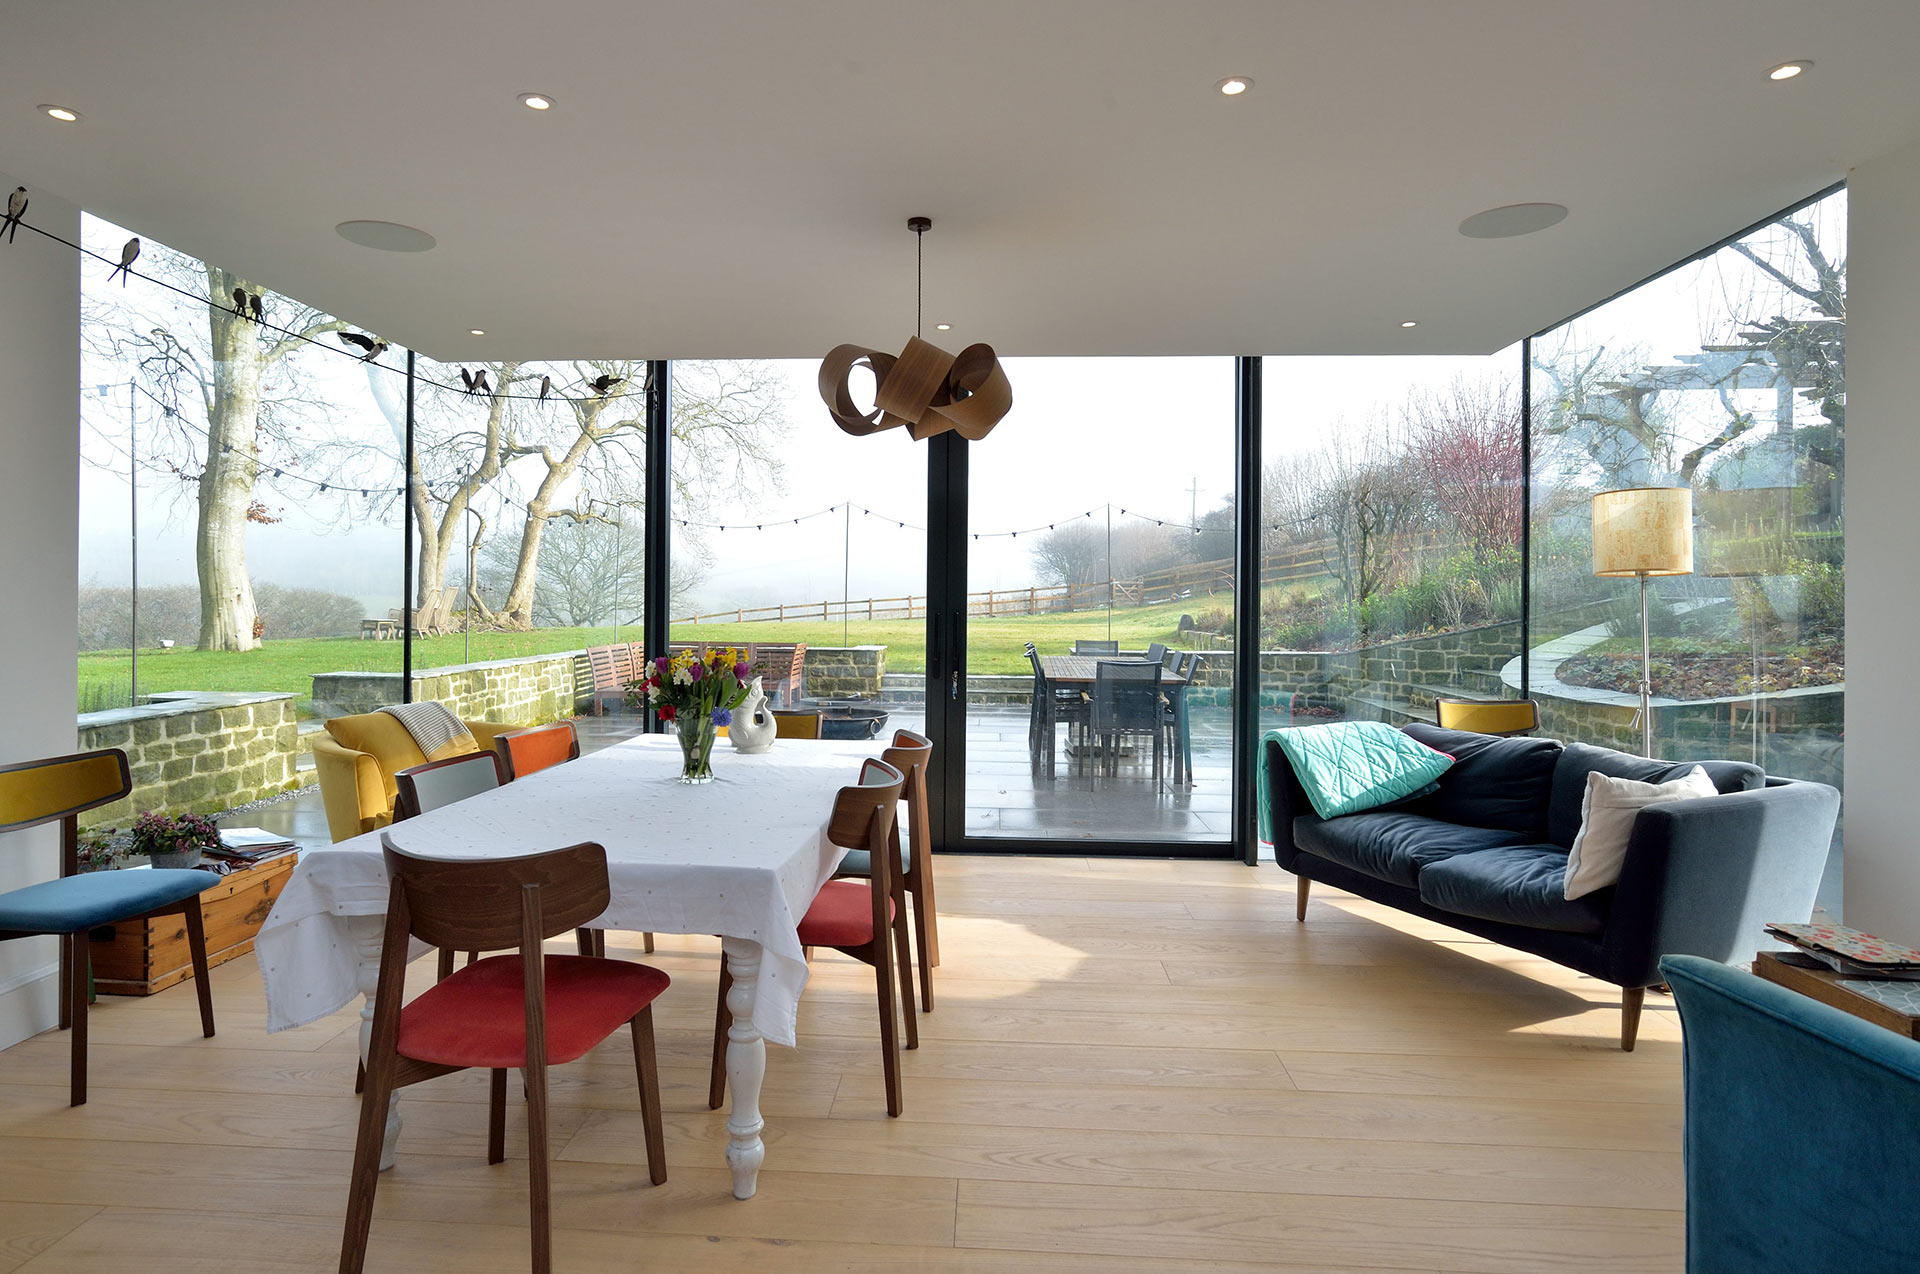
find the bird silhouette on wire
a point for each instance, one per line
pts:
(605, 383)
(128, 255)
(240, 302)
(546, 387)
(255, 309)
(16, 209)
(370, 347)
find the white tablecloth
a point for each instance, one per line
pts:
(741, 857)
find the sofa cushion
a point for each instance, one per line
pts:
(1394, 845)
(1349, 766)
(1517, 884)
(1577, 760)
(1494, 782)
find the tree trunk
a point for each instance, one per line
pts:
(226, 483)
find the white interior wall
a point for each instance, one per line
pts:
(39, 566)
(1883, 568)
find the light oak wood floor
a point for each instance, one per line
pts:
(1132, 1066)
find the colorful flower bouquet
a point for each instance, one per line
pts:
(174, 841)
(697, 690)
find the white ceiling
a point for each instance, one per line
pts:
(733, 179)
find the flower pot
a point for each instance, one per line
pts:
(697, 734)
(182, 858)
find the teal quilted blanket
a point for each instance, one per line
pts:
(1349, 766)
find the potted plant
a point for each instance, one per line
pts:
(697, 690)
(95, 850)
(174, 840)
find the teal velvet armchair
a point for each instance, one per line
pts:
(1802, 1134)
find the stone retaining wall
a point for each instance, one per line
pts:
(527, 691)
(197, 752)
(843, 672)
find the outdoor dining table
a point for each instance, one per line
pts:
(741, 857)
(1080, 672)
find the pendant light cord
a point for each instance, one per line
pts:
(919, 278)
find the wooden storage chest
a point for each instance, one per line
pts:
(142, 957)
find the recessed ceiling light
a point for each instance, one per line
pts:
(1234, 85)
(1512, 220)
(943, 327)
(1787, 70)
(65, 114)
(1410, 323)
(536, 101)
(476, 331)
(385, 236)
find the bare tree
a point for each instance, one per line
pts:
(249, 394)
(585, 449)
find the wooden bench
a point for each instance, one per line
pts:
(611, 667)
(779, 665)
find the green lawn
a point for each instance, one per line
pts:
(994, 646)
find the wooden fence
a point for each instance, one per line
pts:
(1170, 584)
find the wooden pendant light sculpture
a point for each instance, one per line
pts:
(925, 388)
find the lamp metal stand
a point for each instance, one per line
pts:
(1646, 675)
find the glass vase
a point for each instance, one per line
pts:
(697, 734)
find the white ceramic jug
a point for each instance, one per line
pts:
(753, 728)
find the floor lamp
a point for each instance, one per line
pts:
(1644, 532)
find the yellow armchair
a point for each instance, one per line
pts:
(357, 758)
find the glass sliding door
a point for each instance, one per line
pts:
(1099, 604)
(801, 544)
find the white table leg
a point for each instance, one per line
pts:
(746, 1068)
(369, 934)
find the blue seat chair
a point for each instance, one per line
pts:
(59, 790)
(1803, 1129)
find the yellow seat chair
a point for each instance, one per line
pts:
(357, 758)
(1509, 716)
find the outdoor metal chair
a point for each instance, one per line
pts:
(1182, 664)
(1126, 701)
(1157, 653)
(1053, 706)
(1086, 647)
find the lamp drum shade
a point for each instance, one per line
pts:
(1643, 531)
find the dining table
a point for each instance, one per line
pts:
(1081, 671)
(740, 857)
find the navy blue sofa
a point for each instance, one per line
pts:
(1487, 854)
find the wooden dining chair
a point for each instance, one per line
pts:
(912, 755)
(439, 783)
(526, 1011)
(1503, 717)
(854, 919)
(59, 790)
(540, 747)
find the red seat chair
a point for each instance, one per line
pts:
(912, 754)
(524, 1011)
(854, 918)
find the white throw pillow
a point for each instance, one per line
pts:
(1607, 811)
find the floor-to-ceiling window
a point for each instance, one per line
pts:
(240, 511)
(802, 543)
(1726, 375)
(528, 509)
(1391, 535)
